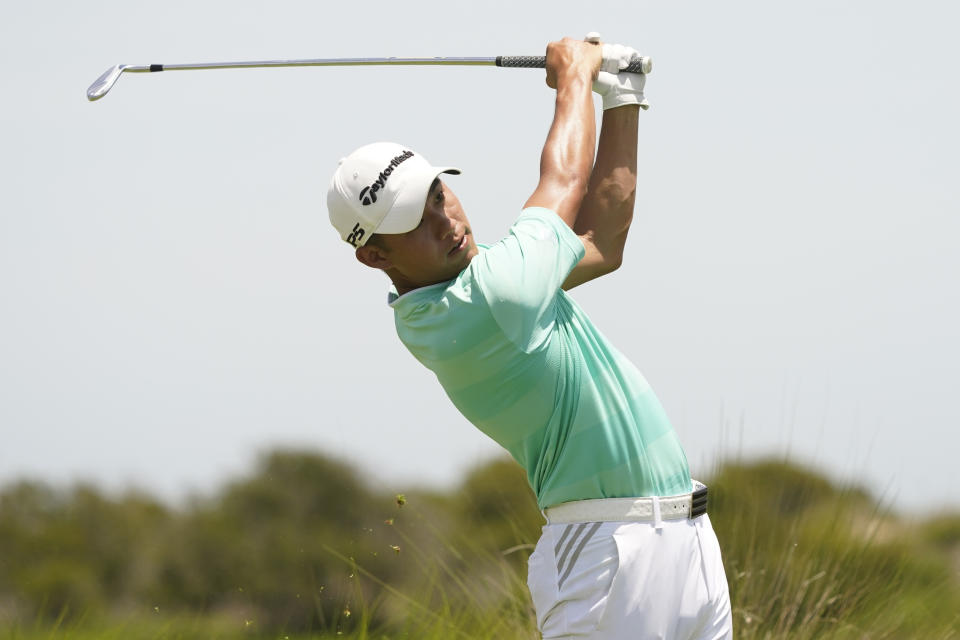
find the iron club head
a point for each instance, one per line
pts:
(104, 83)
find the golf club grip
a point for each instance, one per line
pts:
(642, 64)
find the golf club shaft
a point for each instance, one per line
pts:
(105, 82)
(640, 65)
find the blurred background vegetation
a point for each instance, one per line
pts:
(301, 547)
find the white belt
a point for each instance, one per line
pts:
(652, 509)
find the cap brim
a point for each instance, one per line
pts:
(407, 209)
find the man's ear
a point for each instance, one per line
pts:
(373, 257)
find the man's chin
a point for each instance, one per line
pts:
(469, 253)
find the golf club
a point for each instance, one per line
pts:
(105, 82)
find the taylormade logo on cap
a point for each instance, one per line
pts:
(369, 194)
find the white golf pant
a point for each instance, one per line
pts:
(633, 580)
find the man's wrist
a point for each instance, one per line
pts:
(623, 112)
(576, 73)
(573, 87)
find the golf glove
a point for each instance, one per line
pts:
(621, 89)
(616, 87)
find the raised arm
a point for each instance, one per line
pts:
(567, 154)
(607, 210)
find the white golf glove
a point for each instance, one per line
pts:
(621, 89)
(618, 88)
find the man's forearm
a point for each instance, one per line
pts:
(568, 150)
(567, 156)
(607, 210)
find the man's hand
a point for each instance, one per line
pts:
(616, 87)
(616, 57)
(621, 89)
(572, 57)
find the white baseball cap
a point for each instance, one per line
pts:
(380, 188)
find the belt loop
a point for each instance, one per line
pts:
(657, 518)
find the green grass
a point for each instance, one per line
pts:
(804, 559)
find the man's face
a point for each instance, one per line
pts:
(436, 251)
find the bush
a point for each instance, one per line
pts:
(302, 546)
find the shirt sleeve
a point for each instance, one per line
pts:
(520, 276)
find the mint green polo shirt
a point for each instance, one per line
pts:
(523, 363)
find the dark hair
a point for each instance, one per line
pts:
(376, 241)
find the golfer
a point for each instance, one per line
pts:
(628, 550)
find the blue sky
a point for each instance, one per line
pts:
(173, 300)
